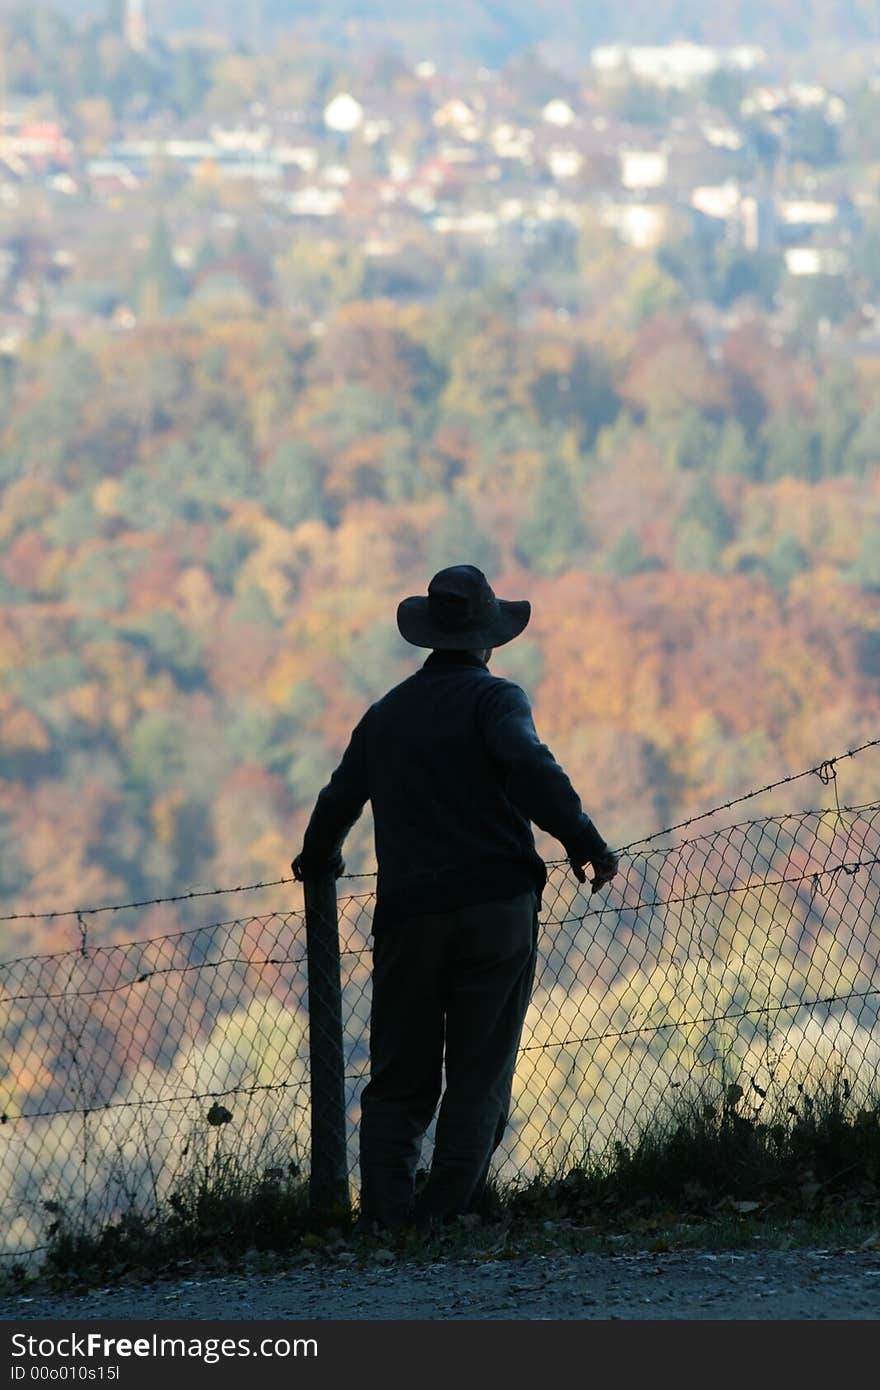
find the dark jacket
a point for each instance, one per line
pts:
(455, 772)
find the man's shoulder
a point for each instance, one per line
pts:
(396, 692)
(499, 693)
(488, 685)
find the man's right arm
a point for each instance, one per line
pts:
(337, 808)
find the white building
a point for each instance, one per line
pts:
(722, 137)
(240, 140)
(814, 260)
(720, 200)
(512, 142)
(343, 114)
(457, 116)
(642, 225)
(564, 163)
(558, 113)
(313, 202)
(806, 212)
(643, 168)
(759, 223)
(679, 64)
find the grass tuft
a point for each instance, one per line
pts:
(716, 1171)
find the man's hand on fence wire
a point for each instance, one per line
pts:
(338, 869)
(604, 867)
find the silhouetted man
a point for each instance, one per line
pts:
(455, 772)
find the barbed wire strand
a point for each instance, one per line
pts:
(825, 770)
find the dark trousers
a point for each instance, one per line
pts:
(448, 991)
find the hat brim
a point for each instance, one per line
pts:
(415, 623)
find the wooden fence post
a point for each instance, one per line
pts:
(328, 1182)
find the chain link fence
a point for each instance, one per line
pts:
(745, 956)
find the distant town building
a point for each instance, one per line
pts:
(456, 115)
(722, 137)
(38, 146)
(241, 139)
(313, 202)
(642, 225)
(512, 142)
(759, 223)
(643, 168)
(814, 260)
(717, 200)
(558, 113)
(135, 25)
(343, 114)
(111, 176)
(300, 156)
(564, 163)
(806, 212)
(679, 64)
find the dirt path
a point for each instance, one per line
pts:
(749, 1284)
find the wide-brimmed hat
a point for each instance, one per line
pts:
(461, 613)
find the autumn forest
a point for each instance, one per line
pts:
(207, 528)
(219, 479)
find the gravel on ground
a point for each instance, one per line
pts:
(378, 1284)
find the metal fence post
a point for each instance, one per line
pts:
(328, 1182)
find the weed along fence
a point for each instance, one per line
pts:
(735, 960)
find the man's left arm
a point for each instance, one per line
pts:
(538, 786)
(337, 808)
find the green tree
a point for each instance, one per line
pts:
(703, 505)
(402, 479)
(812, 138)
(159, 284)
(46, 677)
(746, 274)
(863, 448)
(583, 397)
(96, 581)
(866, 570)
(252, 735)
(725, 90)
(865, 256)
(704, 527)
(736, 453)
(694, 445)
(822, 297)
(790, 448)
(74, 522)
(147, 503)
(190, 80)
(837, 419)
(552, 536)
(375, 659)
(156, 750)
(691, 260)
(253, 609)
(627, 556)
(290, 487)
(226, 552)
(787, 559)
(173, 647)
(190, 480)
(521, 661)
(45, 439)
(458, 539)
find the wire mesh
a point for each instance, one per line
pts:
(747, 955)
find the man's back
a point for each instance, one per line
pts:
(455, 773)
(446, 831)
